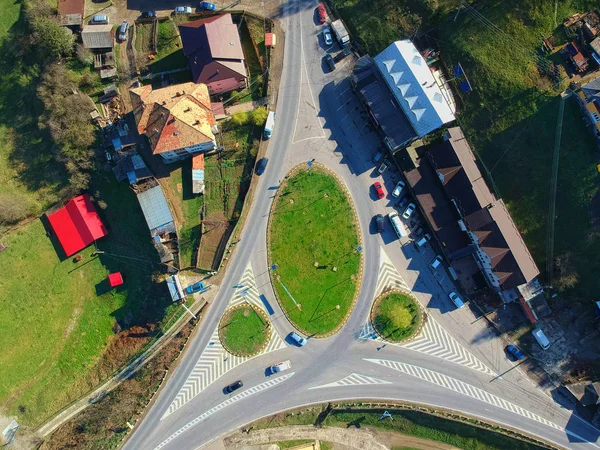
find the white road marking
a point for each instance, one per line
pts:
(242, 395)
(354, 379)
(215, 361)
(462, 388)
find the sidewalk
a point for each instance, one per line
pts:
(245, 107)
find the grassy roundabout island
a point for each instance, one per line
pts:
(313, 242)
(244, 331)
(396, 316)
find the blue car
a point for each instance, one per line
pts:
(196, 287)
(207, 6)
(299, 340)
(515, 352)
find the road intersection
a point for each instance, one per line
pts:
(454, 364)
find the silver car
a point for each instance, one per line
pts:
(327, 36)
(408, 211)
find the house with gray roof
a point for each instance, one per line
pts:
(98, 37)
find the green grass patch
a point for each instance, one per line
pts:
(313, 231)
(289, 444)
(243, 331)
(256, 83)
(397, 317)
(413, 423)
(62, 314)
(190, 205)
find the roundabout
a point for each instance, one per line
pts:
(397, 316)
(315, 248)
(244, 330)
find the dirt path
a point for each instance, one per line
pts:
(342, 438)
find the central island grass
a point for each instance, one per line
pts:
(396, 317)
(313, 232)
(243, 331)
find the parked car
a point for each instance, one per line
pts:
(383, 166)
(183, 10)
(329, 62)
(378, 156)
(408, 211)
(297, 339)
(456, 299)
(435, 263)
(148, 14)
(402, 203)
(378, 189)
(327, 36)
(279, 367)
(207, 6)
(196, 287)
(99, 19)
(380, 223)
(261, 166)
(398, 189)
(123, 31)
(515, 352)
(541, 338)
(421, 242)
(322, 14)
(233, 387)
(341, 55)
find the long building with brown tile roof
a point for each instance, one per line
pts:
(177, 119)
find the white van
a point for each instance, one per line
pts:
(397, 224)
(541, 338)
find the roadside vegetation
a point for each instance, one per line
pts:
(450, 430)
(313, 241)
(244, 331)
(510, 118)
(396, 317)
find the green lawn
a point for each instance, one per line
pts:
(243, 331)
(397, 317)
(58, 316)
(169, 55)
(312, 224)
(413, 423)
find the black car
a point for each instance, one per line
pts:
(402, 203)
(233, 387)
(261, 166)
(341, 55)
(329, 62)
(380, 222)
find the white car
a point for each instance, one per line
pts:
(456, 299)
(408, 211)
(398, 189)
(327, 36)
(183, 10)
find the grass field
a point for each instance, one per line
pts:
(396, 317)
(313, 231)
(413, 423)
(243, 331)
(169, 51)
(59, 316)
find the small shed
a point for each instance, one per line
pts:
(175, 288)
(115, 279)
(270, 40)
(98, 36)
(198, 173)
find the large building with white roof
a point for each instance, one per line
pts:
(404, 97)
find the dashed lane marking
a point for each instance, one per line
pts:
(242, 395)
(354, 379)
(215, 361)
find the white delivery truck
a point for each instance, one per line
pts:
(341, 33)
(279, 367)
(398, 225)
(269, 125)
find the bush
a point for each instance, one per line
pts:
(14, 208)
(84, 55)
(52, 40)
(259, 116)
(240, 118)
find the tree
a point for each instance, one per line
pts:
(259, 116)
(14, 208)
(565, 272)
(84, 55)
(52, 40)
(240, 118)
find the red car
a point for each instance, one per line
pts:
(322, 14)
(379, 190)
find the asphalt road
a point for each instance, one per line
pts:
(319, 117)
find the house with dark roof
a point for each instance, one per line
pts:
(177, 119)
(405, 98)
(214, 51)
(71, 13)
(466, 218)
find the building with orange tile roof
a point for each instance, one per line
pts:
(178, 119)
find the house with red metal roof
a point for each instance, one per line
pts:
(214, 51)
(177, 119)
(77, 224)
(71, 12)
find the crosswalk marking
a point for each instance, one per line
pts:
(215, 361)
(461, 387)
(242, 395)
(354, 379)
(388, 277)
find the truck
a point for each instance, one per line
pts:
(398, 225)
(279, 367)
(269, 125)
(340, 32)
